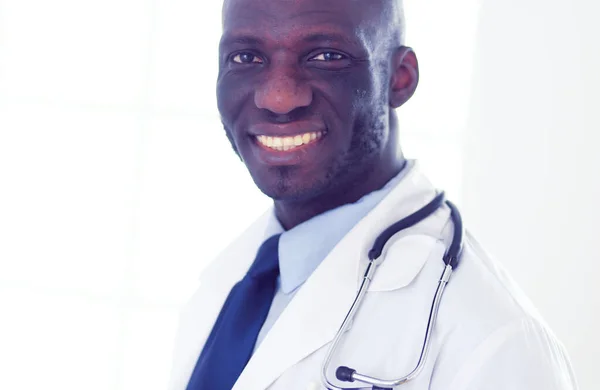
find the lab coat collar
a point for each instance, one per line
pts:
(232, 264)
(312, 318)
(302, 248)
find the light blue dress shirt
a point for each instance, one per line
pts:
(302, 248)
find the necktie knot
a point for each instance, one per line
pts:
(267, 259)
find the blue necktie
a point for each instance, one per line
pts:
(233, 336)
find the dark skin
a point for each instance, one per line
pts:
(336, 68)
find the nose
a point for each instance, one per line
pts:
(283, 93)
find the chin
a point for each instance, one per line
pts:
(286, 184)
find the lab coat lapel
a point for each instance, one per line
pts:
(214, 286)
(309, 321)
(312, 318)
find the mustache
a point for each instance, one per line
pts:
(297, 114)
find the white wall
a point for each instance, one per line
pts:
(531, 178)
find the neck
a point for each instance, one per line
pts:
(293, 213)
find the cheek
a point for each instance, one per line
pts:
(232, 94)
(353, 96)
(370, 98)
(366, 117)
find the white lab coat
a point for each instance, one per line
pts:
(488, 336)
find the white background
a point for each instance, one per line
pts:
(117, 184)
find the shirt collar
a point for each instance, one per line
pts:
(302, 248)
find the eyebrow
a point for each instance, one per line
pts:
(240, 40)
(328, 37)
(311, 38)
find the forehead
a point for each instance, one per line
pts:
(280, 19)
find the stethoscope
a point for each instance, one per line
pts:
(451, 259)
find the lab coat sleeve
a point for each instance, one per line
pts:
(522, 355)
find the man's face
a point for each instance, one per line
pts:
(302, 92)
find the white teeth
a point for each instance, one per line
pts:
(288, 143)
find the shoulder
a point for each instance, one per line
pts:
(206, 298)
(492, 333)
(235, 259)
(483, 292)
(232, 263)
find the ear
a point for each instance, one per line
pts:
(404, 76)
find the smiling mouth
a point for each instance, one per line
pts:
(288, 143)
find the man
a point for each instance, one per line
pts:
(307, 92)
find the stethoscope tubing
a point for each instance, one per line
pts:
(451, 258)
(364, 286)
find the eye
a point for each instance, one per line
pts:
(328, 56)
(246, 58)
